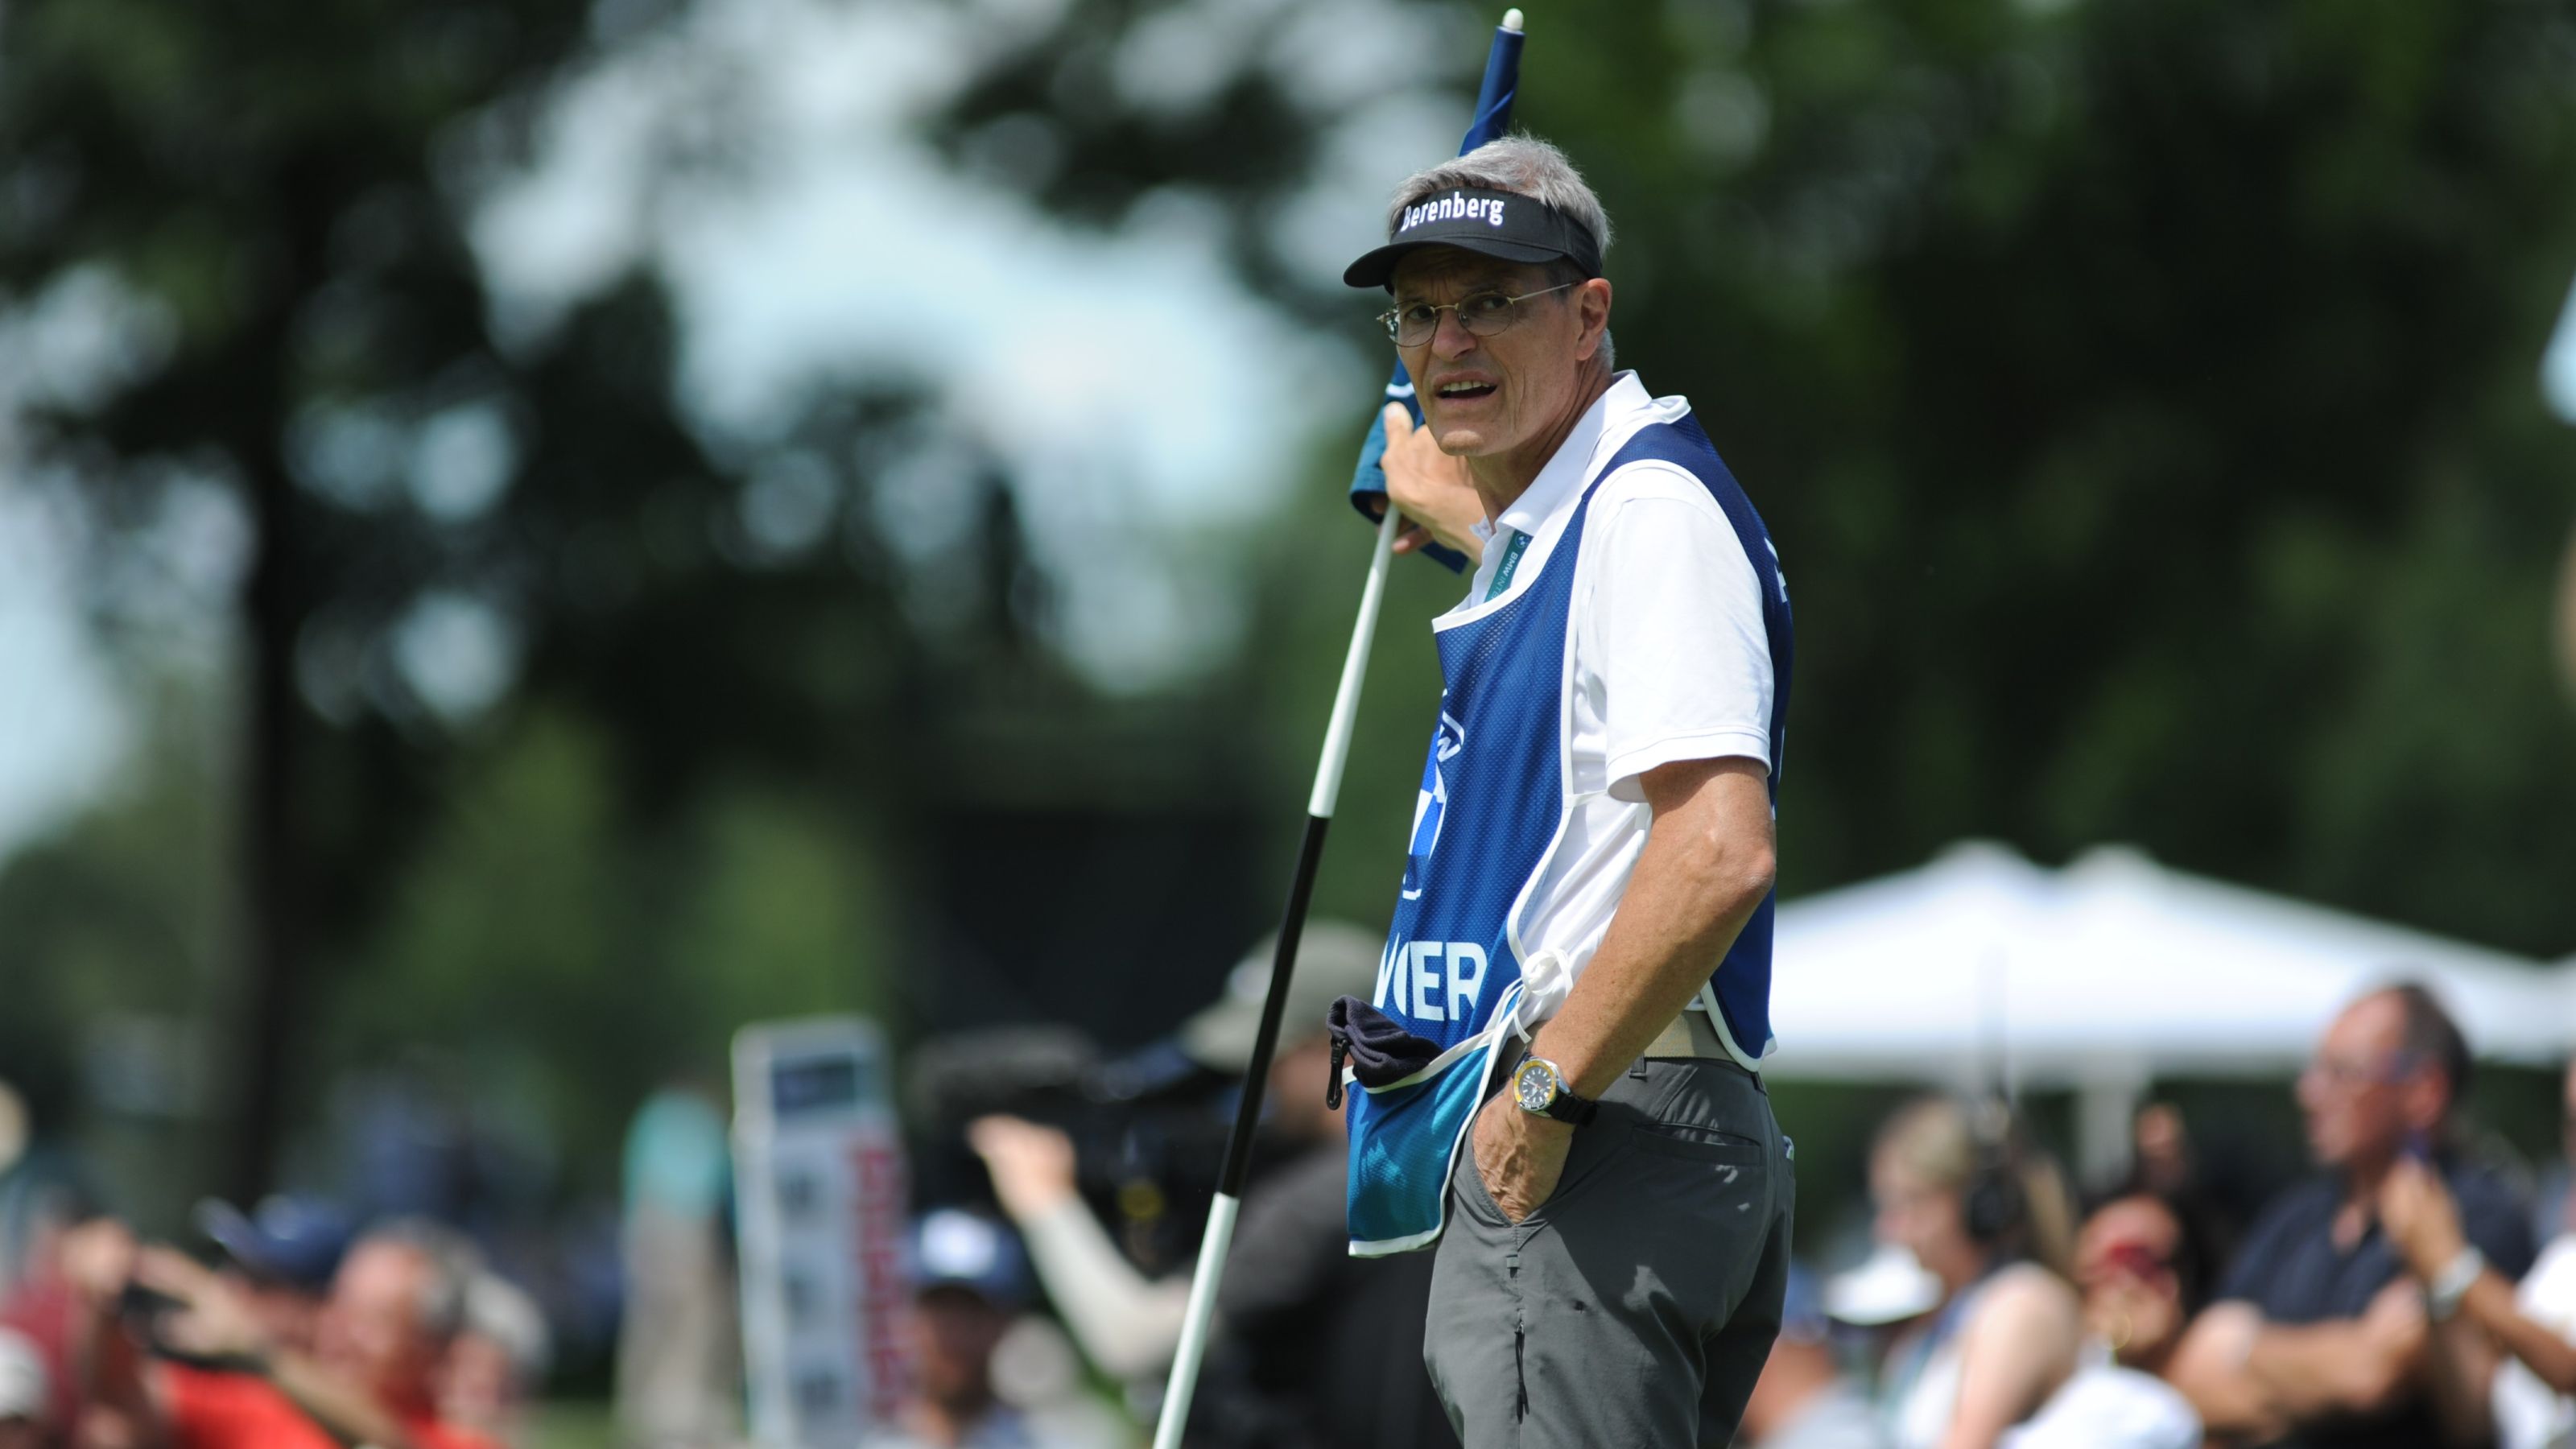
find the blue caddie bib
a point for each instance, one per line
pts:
(1495, 795)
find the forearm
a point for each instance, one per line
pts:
(2324, 1368)
(1126, 1323)
(2549, 1357)
(2209, 1368)
(1691, 892)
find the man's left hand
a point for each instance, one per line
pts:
(2420, 1216)
(1519, 1156)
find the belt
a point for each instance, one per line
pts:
(1690, 1034)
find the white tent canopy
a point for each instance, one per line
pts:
(2106, 973)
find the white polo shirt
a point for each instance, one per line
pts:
(1670, 661)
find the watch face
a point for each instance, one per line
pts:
(1534, 1085)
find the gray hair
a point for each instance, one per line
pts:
(1525, 165)
(452, 1260)
(502, 1311)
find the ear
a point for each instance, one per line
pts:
(2427, 1097)
(1592, 308)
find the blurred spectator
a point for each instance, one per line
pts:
(2142, 1264)
(679, 1355)
(2318, 1339)
(2531, 1400)
(65, 1310)
(2163, 1150)
(969, 1280)
(1990, 1220)
(1803, 1400)
(395, 1307)
(281, 1260)
(498, 1358)
(1317, 1347)
(25, 1395)
(2554, 1206)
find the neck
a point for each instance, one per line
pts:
(2362, 1179)
(1501, 479)
(949, 1421)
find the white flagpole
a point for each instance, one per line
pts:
(1301, 889)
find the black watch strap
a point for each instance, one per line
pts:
(1571, 1109)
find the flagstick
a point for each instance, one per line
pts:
(1301, 889)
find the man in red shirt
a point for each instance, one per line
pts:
(370, 1379)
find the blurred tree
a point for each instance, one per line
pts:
(258, 205)
(563, 724)
(2142, 395)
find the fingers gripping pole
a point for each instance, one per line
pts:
(1301, 889)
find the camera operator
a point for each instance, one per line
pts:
(1316, 1347)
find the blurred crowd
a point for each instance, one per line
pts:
(2393, 1299)
(298, 1327)
(2409, 1291)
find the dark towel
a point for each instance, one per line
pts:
(1379, 1050)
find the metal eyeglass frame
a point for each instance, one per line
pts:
(1499, 323)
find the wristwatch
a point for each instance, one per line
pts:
(2442, 1296)
(1540, 1090)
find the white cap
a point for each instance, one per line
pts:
(1334, 958)
(23, 1387)
(1890, 1287)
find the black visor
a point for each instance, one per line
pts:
(1501, 224)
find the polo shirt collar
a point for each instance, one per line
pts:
(1562, 479)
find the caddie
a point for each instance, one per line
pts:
(1559, 1083)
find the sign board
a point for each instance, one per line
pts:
(820, 1184)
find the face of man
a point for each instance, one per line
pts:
(2361, 1095)
(1488, 397)
(371, 1327)
(954, 1333)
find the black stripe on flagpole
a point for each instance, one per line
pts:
(1256, 1073)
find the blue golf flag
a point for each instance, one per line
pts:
(1493, 117)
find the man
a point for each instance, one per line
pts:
(969, 1281)
(2535, 1395)
(2318, 1339)
(1585, 915)
(497, 1360)
(371, 1378)
(1316, 1345)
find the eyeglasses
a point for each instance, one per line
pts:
(2348, 1075)
(1482, 314)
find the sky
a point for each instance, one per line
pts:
(846, 249)
(1101, 366)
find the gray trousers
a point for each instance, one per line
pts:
(1636, 1306)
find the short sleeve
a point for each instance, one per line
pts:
(1674, 633)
